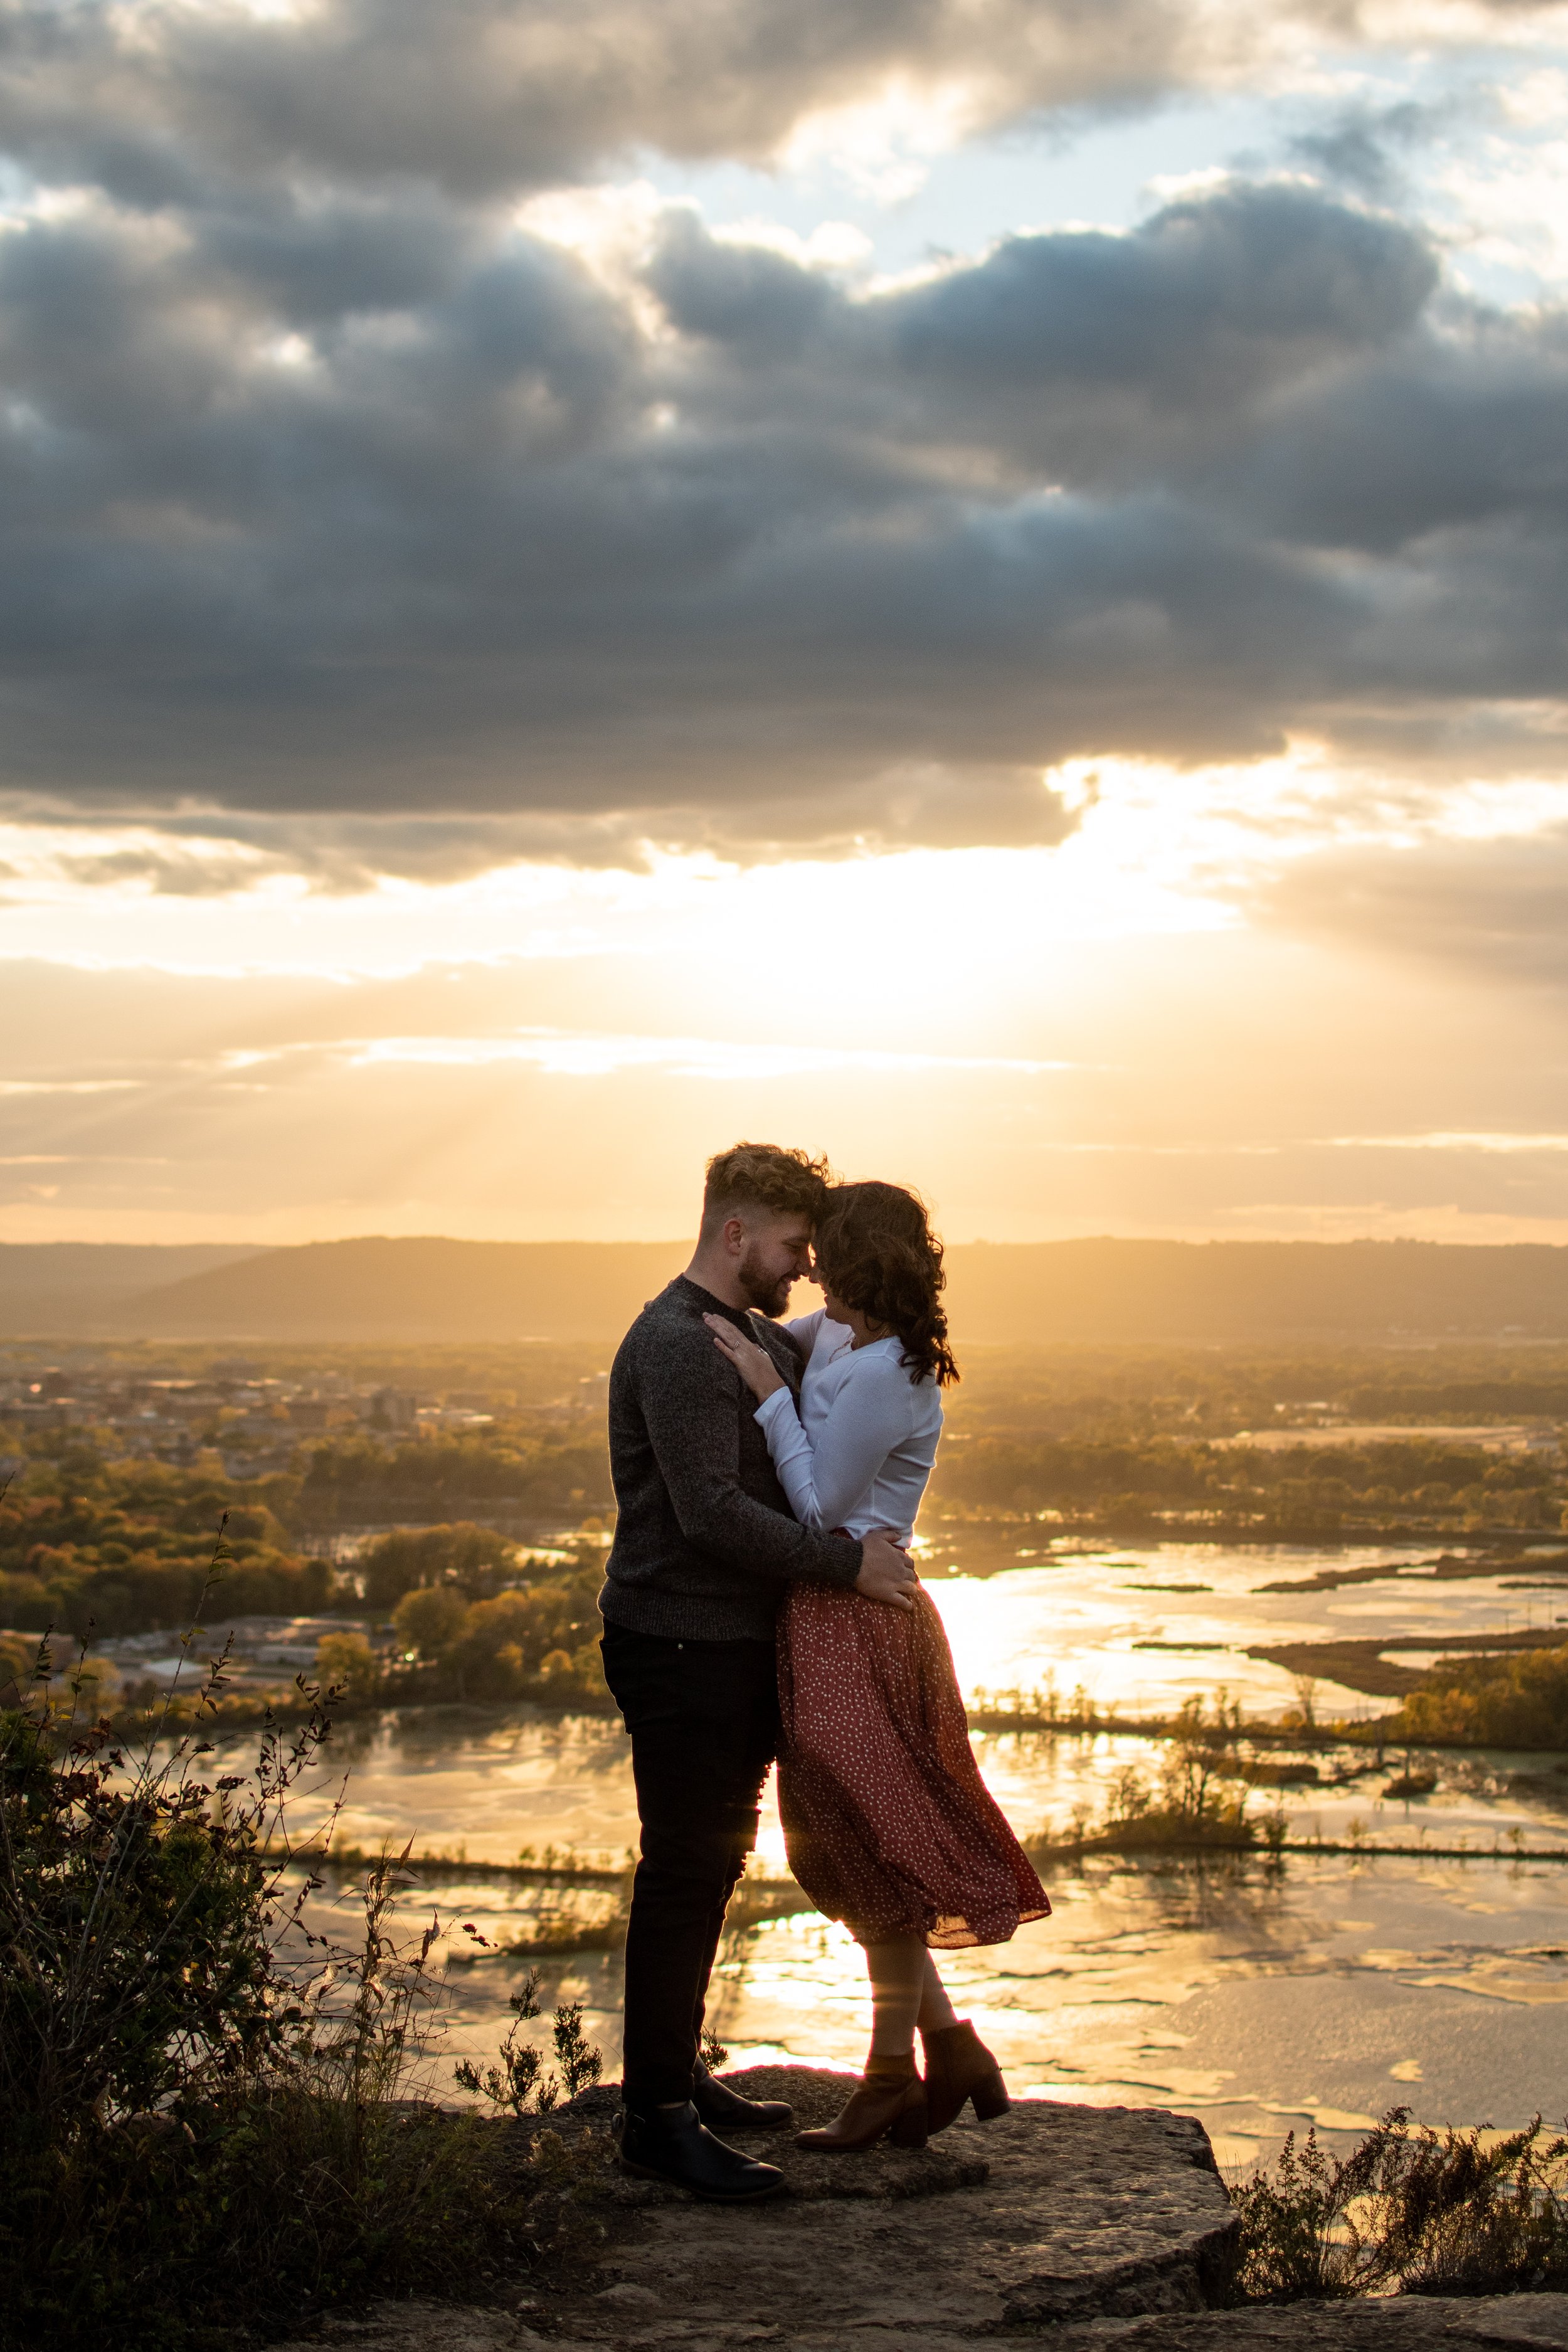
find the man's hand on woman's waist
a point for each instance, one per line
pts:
(886, 1574)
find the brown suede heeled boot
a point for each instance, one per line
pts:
(959, 2067)
(889, 2100)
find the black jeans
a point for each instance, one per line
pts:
(704, 1724)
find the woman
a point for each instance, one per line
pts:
(888, 1824)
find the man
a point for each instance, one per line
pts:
(705, 1545)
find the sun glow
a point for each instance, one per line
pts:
(1102, 1034)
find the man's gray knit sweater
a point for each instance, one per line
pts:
(705, 1543)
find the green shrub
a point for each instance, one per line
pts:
(520, 2083)
(211, 2122)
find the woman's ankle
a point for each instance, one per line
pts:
(936, 2011)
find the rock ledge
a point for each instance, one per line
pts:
(1083, 2212)
(1079, 2228)
(1050, 2218)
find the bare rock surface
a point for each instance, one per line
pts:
(1082, 2229)
(1049, 2215)
(1511, 2322)
(1401, 2324)
(1080, 2210)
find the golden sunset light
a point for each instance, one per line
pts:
(783, 1174)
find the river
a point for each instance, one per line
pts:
(1259, 1997)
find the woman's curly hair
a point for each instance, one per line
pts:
(876, 1250)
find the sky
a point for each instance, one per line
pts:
(980, 585)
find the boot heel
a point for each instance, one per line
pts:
(990, 2097)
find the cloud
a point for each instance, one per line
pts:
(345, 513)
(1492, 909)
(66, 1086)
(579, 1053)
(1363, 148)
(487, 97)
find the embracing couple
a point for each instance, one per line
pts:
(759, 1603)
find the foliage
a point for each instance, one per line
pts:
(472, 1561)
(538, 1638)
(542, 1474)
(1163, 1480)
(429, 1618)
(1200, 1798)
(211, 2117)
(347, 1667)
(138, 1923)
(1518, 1701)
(1119, 1392)
(1428, 2212)
(88, 1542)
(90, 1538)
(520, 2083)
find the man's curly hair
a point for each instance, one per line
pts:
(876, 1250)
(763, 1176)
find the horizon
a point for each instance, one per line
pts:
(688, 1240)
(1101, 1290)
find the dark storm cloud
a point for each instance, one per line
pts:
(1077, 357)
(324, 505)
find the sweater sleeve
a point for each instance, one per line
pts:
(870, 1415)
(693, 1402)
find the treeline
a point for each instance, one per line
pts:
(1320, 1490)
(125, 1546)
(1472, 1400)
(472, 1618)
(436, 1478)
(1127, 1484)
(1120, 1393)
(468, 1627)
(1504, 1702)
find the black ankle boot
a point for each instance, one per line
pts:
(722, 2109)
(672, 2144)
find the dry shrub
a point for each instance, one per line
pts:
(1415, 2211)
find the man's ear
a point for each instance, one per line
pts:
(734, 1230)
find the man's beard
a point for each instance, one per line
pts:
(768, 1293)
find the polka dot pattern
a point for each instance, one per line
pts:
(888, 1824)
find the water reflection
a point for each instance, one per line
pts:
(1255, 1997)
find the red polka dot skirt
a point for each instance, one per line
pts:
(888, 1824)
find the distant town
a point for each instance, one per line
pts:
(255, 1421)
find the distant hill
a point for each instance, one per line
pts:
(412, 1290)
(1259, 1290)
(1079, 1290)
(61, 1289)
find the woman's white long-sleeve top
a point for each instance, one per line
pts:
(858, 1453)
